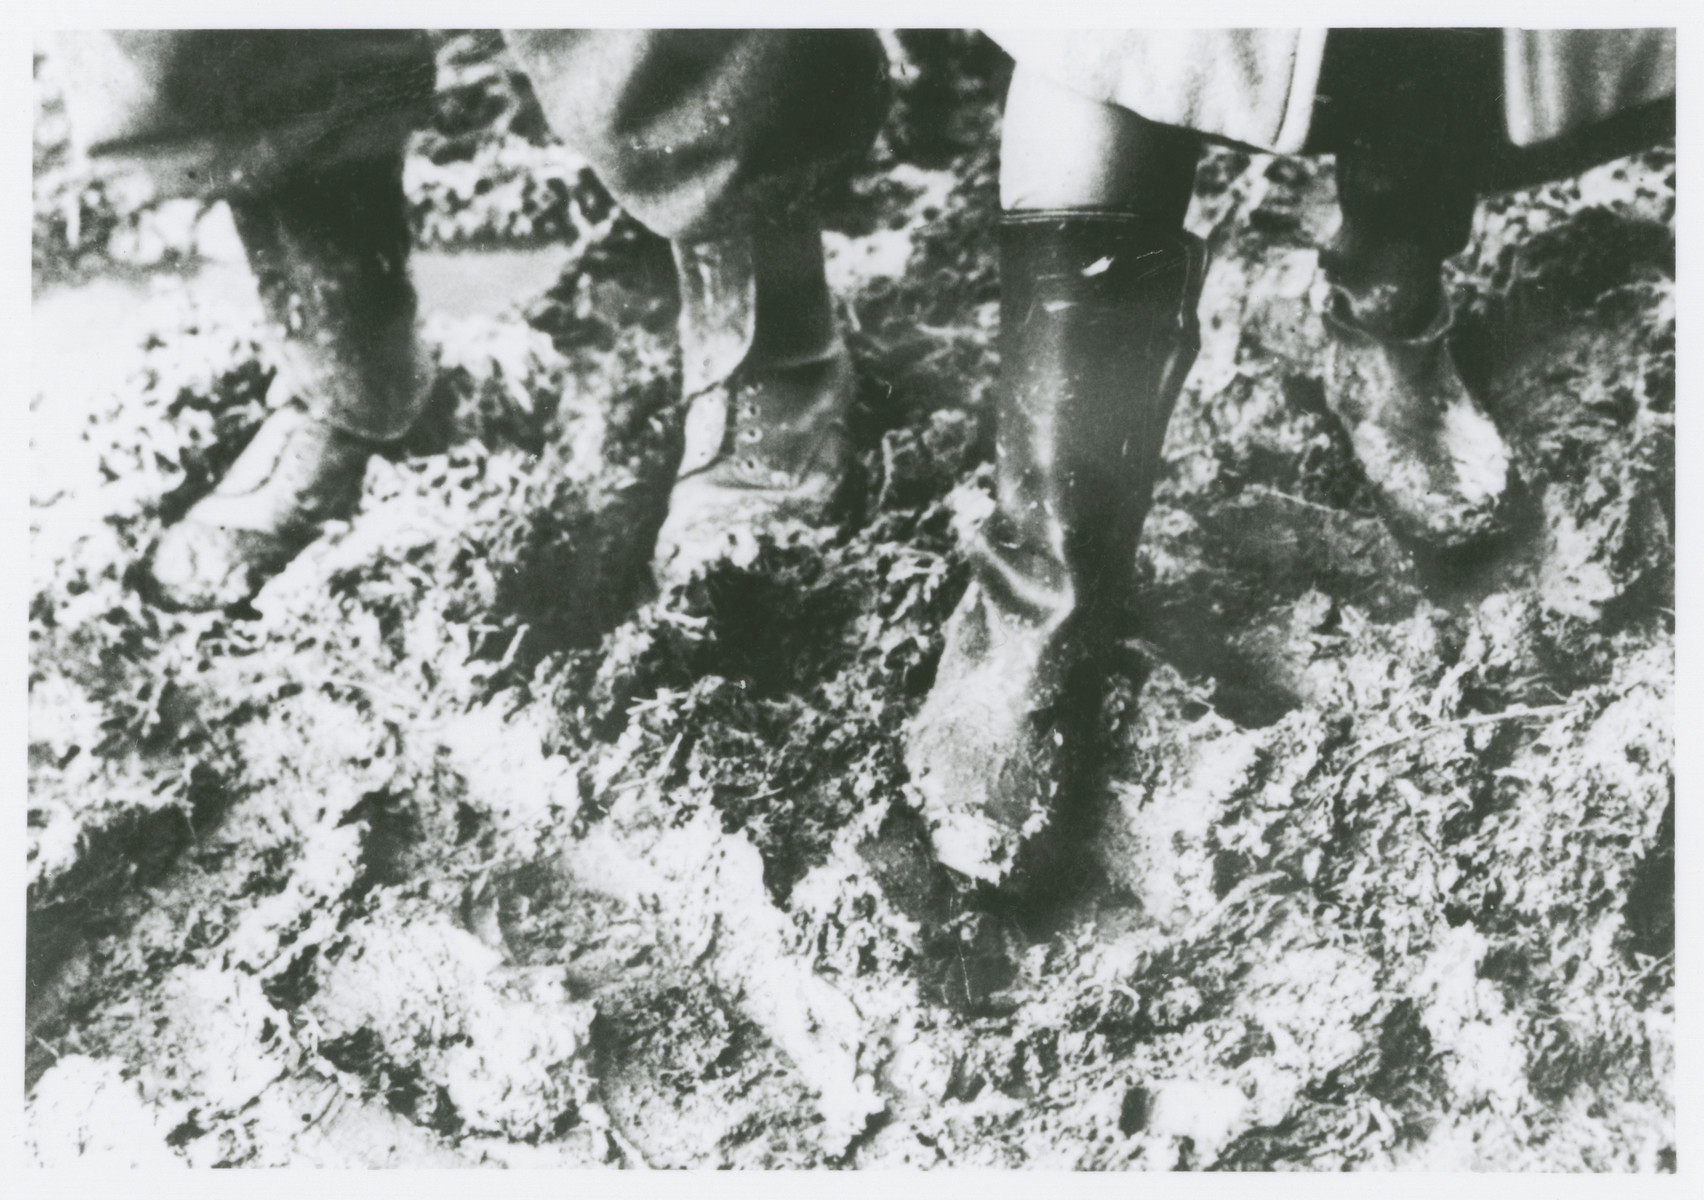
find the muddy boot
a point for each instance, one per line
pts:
(1098, 330)
(770, 386)
(330, 255)
(1439, 465)
(1435, 458)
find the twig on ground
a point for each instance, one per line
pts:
(1520, 712)
(1263, 490)
(514, 647)
(356, 685)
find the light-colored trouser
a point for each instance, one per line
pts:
(1561, 101)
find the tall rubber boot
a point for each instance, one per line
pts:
(770, 387)
(330, 254)
(1098, 331)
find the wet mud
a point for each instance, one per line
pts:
(473, 841)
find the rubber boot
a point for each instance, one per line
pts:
(1098, 331)
(1432, 454)
(330, 255)
(771, 388)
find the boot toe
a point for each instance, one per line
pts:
(1435, 458)
(709, 521)
(1447, 495)
(296, 475)
(770, 461)
(199, 567)
(982, 767)
(973, 845)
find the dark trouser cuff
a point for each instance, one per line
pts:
(329, 249)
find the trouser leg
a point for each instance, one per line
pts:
(1414, 119)
(302, 131)
(329, 250)
(719, 140)
(1062, 151)
(214, 112)
(703, 133)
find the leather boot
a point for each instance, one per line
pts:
(1098, 331)
(1431, 452)
(771, 387)
(330, 254)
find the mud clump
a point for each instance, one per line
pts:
(572, 558)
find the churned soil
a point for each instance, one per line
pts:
(475, 840)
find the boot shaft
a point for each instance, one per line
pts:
(1098, 331)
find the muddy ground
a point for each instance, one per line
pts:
(469, 843)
